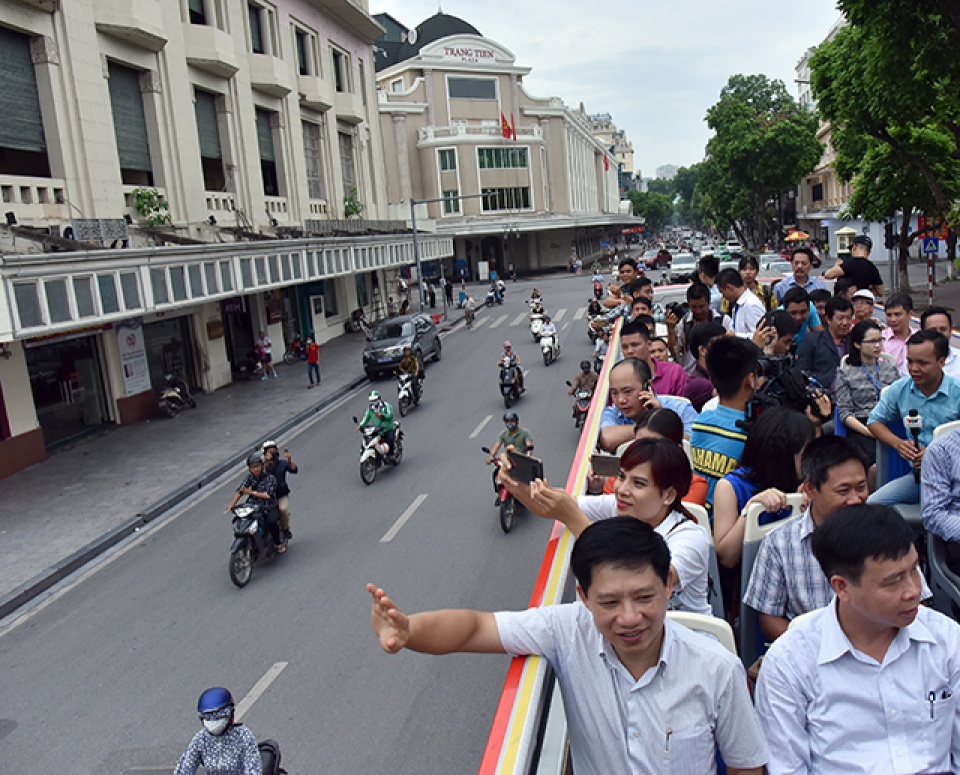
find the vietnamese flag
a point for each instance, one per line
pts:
(513, 127)
(505, 127)
(606, 163)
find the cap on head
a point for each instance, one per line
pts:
(511, 417)
(254, 459)
(863, 293)
(269, 444)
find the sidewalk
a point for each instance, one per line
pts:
(58, 515)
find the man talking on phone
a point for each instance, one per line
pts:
(512, 437)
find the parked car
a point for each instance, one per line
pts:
(657, 259)
(383, 353)
(781, 268)
(768, 257)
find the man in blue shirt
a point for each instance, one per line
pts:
(797, 302)
(934, 395)
(802, 262)
(631, 398)
(717, 439)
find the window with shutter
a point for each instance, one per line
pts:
(313, 156)
(211, 155)
(130, 125)
(268, 160)
(24, 150)
(347, 169)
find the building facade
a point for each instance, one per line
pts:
(240, 123)
(516, 181)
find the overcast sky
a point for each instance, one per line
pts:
(654, 65)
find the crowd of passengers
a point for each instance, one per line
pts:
(862, 674)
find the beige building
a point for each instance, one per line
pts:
(516, 180)
(603, 128)
(241, 122)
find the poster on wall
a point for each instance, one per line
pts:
(133, 356)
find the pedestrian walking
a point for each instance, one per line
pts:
(432, 293)
(265, 351)
(313, 361)
(448, 290)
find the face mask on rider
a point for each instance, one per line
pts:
(512, 427)
(216, 726)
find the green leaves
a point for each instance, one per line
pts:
(763, 144)
(654, 207)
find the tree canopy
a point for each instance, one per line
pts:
(656, 208)
(763, 144)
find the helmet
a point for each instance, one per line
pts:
(213, 700)
(585, 366)
(511, 417)
(407, 348)
(374, 397)
(546, 318)
(254, 458)
(507, 345)
(268, 444)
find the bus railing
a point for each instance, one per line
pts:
(528, 735)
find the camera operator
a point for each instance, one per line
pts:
(681, 318)
(775, 333)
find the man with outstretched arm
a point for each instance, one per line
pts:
(641, 693)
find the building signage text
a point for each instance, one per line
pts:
(468, 54)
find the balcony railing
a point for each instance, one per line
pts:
(353, 226)
(59, 292)
(34, 199)
(444, 132)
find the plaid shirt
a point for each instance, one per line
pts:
(786, 579)
(265, 483)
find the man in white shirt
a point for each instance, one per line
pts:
(641, 693)
(746, 309)
(871, 682)
(939, 319)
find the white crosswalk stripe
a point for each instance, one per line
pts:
(578, 315)
(559, 316)
(498, 321)
(518, 319)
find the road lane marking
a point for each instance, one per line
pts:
(518, 319)
(578, 315)
(560, 313)
(258, 689)
(565, 326)
(481, 426)
(498, 321)
(392, 532)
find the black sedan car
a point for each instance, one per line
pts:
(384, 350)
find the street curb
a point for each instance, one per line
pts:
(60, 570)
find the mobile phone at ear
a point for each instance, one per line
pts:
(524, 468)
(605, 465)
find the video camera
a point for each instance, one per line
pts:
(785, 385)
(678, 308)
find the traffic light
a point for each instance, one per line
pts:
(889, 236)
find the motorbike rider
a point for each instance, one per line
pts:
(585, 380)
(223, 746)
(510, 358)
(549, 328)
(535, 296)
(511, 437)
(593, 308)
(497, 293)
(261, 487)
(380, 414)
(411, 364)
(470, 308)
(278, 467)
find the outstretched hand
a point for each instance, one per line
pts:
(389, 623)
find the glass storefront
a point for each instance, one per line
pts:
(167, 343)
(66, 379)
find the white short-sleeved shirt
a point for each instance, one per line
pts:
(619, 725)
(689, 547)
(827, 707)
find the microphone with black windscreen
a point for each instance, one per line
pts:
(913, 422)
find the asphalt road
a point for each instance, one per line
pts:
(102, 677)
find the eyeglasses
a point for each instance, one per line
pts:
(872, 341)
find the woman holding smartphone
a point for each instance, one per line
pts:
(654, 477)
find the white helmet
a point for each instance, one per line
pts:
(268, 444)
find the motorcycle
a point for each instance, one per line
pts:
(374, 454)
(550, 347)
(492, 298)
(296, 351)
(598, 289)
(175, 396)
(252, 542)
(250, 367)
(581, 405)
(469, 315)
(507, 504)
(509, 383)
(536, 323)
(270, 757)
(358, 324)
(406, 396)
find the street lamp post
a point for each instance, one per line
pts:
(416, 243)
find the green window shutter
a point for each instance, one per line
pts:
(21, 127)
(206, 107)
(129, 121)
(265, 136)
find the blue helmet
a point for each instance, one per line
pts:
(214, 700)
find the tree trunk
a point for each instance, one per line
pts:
(951, 254)
(903, 249)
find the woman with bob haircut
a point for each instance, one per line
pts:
(654, 477)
